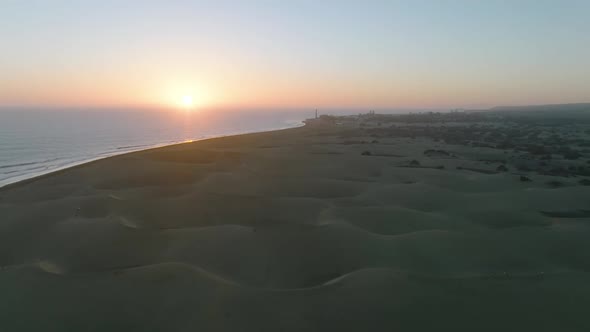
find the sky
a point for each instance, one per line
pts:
(294, 54)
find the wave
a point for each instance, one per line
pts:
(28, 163)
(132, 146)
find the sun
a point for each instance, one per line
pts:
(184, 99)
(187, 101)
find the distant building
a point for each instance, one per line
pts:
(322, 120)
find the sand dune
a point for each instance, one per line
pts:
(292, 230)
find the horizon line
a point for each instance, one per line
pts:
(271, 108)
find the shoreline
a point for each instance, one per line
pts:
(59, 170)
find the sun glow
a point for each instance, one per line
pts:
(183, 96)
(187, 101)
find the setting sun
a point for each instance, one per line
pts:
(187, 101)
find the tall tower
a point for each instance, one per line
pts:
(316, 113)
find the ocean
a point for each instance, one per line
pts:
(36, 142)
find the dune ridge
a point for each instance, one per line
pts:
(293, 230)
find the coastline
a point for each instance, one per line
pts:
(36, 175)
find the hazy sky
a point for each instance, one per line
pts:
(294, 53)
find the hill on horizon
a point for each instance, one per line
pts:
(546, 107)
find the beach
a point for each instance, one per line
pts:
(326, 227)
(36, 142)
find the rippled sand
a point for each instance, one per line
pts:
(293, 230)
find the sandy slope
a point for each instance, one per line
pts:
(291, 230)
